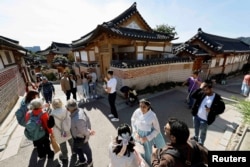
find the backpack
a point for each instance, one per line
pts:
(65, 124)
(21, 112)
(33, 129)
(192, 160)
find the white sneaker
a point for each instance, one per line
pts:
(115, 119)
(111, 115)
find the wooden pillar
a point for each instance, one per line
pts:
(224, 63)
(80, 56)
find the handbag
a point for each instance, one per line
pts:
(54, 144)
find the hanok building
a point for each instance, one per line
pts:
(122, 43)
(13, 74)
(55, 49)
(214, 54)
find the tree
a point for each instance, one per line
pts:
(60, 60)
(71, 57)
(165, 28)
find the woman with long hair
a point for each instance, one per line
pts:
(146, 129)
(121, 149)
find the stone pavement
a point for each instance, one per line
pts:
(18, 150)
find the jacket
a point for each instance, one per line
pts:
(46, 87)
(217, 107)
(162, 159)
(59, 115)
(65, 85)
(80, 125)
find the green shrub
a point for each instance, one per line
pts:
(51, 76)
(244, 107)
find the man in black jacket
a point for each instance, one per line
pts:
(207, 106)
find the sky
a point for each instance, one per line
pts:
(41, 22)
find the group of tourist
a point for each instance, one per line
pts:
(83, 85)
(70, 124)
(141, 144)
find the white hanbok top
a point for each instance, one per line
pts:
(145, 122)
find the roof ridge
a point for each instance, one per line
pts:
(10, 40)
(59, 43)
(125, 15)
(217, 36)
(130, 11)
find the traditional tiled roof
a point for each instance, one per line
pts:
(112, 27)
(11, 43)
(195, 50)
(220, 44)
(56, 48)
(126, 15)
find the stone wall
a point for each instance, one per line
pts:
(11, 87)
(141, 77)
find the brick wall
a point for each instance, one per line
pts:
(11, 87)
(141, 77)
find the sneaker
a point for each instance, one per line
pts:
(115, 119)
(111, 115)
(83, 164)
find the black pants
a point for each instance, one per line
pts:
(111, 98)
(43, 147)
(82, 148)
(48, 97)
(68, 92)
(73, 91)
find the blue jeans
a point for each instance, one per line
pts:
(85, 88)
(245, 89)
(92, 86)
(200, 129)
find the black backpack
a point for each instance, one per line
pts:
(191, 160)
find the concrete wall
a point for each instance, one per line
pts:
(11, 87)
(234, 67)
(141, 77)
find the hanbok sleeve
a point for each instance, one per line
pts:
(156, 128)
(133, 119)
